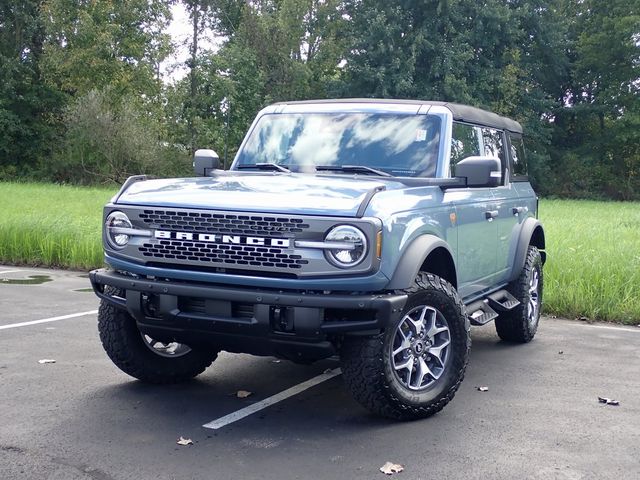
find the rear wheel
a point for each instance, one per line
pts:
(521, 324)
(414, 368)
(143, 357)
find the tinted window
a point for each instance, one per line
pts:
(399, 144)
(518, 157)
(464, 143)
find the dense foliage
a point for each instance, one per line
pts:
(83, 98)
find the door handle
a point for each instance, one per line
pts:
(491, 214)
(518, 210)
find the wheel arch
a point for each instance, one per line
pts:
(531, 234)
(427, 253)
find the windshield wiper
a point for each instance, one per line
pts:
(353, 169)
(264, 166)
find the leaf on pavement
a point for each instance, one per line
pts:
(390, 468)
(46, 360)
(243, 393)
(184, 441)
(483, 389)
(608, 401)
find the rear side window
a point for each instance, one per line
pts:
(465, 142)
(518, 158)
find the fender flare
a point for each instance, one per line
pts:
(530, 227)
(413, 258)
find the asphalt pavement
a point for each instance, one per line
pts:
(81, 418)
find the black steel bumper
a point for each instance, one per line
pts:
(246, 319)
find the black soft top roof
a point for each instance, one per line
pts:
(461, 113)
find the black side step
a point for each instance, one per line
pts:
(480, 313)
(502, 301)
(483, 311)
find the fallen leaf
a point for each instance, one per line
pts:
(277, 360)
(609, 401)
(184, 441)
(243, 394)
(561, 352)
(46, 360)
(391, 468)
(583, 319)
(483, 389)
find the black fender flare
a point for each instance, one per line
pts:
(530, 228)
(413, 258)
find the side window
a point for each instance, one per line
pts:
(465, 142)
(518, 157)
(494, 146)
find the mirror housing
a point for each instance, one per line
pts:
(480, 171)
(204, 161)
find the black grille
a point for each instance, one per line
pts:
(227, 254)
(223, 223)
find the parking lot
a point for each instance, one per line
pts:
(81, 418)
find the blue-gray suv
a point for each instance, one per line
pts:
(376, 230)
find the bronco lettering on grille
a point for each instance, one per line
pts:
(227, 239)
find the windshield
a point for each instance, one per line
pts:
(398, 144)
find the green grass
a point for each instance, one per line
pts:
(593, 248)
(593, 263)
(51, 225)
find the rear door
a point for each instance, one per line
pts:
(511, 211)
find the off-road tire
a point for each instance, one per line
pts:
(367, 368)
(125, 346)
(514, 325)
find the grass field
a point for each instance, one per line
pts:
(51, 225)
(593, 267)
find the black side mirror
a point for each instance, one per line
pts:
(480, 171)
(204, 161)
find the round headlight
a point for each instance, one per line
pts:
(116, 225)
(350, 236)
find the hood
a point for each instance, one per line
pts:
(304, 194)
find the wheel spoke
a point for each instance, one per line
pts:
(409, 372)
(406, 364)
(423, 371)
(437, 351)
(171, 349)
(433, 329)
(533, 283)
(403, 346)
(416, 325)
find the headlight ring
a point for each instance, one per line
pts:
(346, 258)
(116, 224)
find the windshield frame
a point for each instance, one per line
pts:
(444, 114)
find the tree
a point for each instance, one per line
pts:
(99, 44)
(27, 106)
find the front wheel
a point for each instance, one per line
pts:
(143, 357)
(415, 367)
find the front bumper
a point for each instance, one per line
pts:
(248, 320)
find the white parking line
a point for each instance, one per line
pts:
(11, 271)
(47, 320)
(267, 402)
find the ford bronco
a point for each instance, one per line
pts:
(375, 230)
